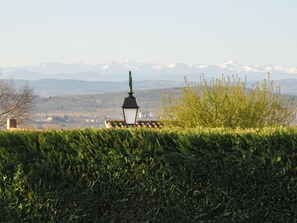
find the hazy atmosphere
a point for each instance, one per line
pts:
(191, 32)
(148, 111)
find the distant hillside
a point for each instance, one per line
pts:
(52, 87)
(77, 111)
(147, 100)
(287, 86)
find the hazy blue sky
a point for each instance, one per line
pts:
(161, 31)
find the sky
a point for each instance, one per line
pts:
(250, 32)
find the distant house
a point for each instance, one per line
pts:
(54, 118)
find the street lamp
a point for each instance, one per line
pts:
(130, 106)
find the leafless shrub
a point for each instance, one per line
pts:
(15, 103)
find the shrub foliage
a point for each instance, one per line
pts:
(227, 102)
(148, 176)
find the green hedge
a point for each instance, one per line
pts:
(149, 176)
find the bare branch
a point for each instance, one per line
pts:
(15, 103)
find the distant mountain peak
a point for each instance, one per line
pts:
(117, 71)
(106, 66)
(229, 62)
(172, 65)
(233, 66)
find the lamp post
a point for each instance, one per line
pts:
(130, 106)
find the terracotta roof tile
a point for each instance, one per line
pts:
(139, 124)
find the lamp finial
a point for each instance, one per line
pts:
(130, 81)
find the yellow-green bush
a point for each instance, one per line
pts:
(227, 102)
(211, 175)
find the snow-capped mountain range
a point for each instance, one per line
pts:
(118, 71)
(57, 79)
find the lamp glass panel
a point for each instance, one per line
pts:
(130, 115)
